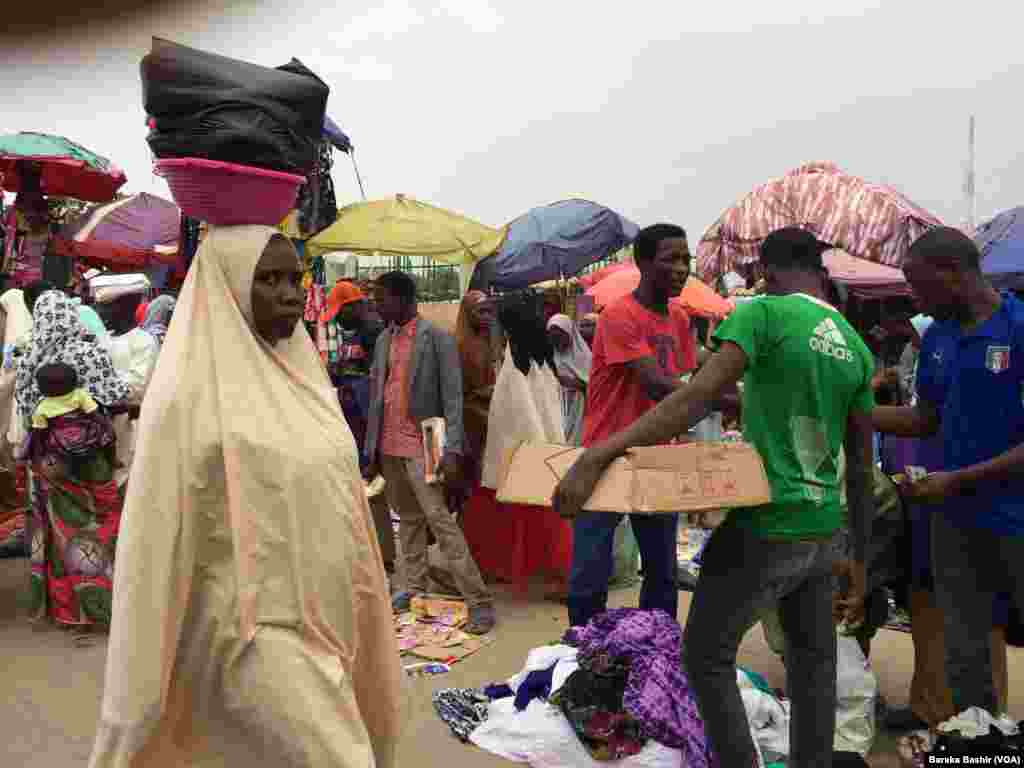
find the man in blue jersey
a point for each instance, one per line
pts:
(970, 387)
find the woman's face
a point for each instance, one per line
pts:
(482, 315)
(559, 339)
(277, 300)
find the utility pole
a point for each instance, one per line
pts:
(969, 190)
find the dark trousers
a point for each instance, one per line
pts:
(970, 567)
(592, 563)
(741, 575)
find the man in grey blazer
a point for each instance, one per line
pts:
(417, 375)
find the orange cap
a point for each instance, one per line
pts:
(342, 294)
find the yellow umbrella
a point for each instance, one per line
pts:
(401, 226)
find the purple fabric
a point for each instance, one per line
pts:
(657, 691)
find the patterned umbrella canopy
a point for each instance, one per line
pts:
(869, 221)
(137, 231)
(66, 169)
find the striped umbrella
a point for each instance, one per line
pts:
(869, 221)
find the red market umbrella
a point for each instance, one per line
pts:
(869, 221)
(697, 297)
(595, 277)
(65, 169)
(864, 278)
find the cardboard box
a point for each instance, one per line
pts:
(691, 477)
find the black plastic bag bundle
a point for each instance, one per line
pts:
(212, 107)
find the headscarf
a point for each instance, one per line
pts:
(225, 532)
(475, 349)
(58, 336)
(476, 353)
(158, 317)
(575, 361)
(93, 323)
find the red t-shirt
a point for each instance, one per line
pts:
(627, 331)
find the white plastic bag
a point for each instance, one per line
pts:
(856, 692)
(522, 410)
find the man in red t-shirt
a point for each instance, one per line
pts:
(642, 348)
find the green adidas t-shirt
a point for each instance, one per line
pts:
(806, 369)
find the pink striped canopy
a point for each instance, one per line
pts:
(869, 221)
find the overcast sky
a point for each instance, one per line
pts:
(661, 110)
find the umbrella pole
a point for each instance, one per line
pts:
(359, 178)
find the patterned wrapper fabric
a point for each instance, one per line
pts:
(657, 692)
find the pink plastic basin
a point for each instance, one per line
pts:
(226, 194)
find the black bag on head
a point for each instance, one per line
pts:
(216, 108)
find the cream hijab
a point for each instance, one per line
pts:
(245, 512)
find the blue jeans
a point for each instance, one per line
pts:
(593, 536)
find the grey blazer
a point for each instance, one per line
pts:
(435, 384)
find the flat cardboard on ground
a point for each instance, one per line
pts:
(660, 479)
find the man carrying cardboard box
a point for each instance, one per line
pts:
(642, 348)
(807, 392)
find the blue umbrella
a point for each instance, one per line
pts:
(336, 136)
(1001, 241)
(558, 240)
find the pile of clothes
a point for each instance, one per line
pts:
(973, 733)
(631, 687)
(614, 690)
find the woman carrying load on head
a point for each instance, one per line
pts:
(252, 624)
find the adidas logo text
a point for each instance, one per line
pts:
(828, 340)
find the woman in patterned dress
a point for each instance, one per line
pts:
(75, 506)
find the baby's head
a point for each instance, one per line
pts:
(56, 379)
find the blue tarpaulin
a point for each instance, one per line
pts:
(1002, 249)
(558, 240)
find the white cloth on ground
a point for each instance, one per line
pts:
(975, 722)
(544, 658)
(541, 736)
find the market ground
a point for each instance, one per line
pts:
(52, 689)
